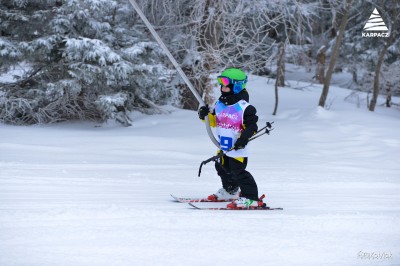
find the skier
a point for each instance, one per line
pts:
(235, 121)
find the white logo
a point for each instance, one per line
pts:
(375, 23)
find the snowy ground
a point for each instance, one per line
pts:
(76, 194)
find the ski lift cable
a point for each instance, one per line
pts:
(177, 67)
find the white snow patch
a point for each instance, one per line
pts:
(75, 194)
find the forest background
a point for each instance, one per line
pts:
(96, 60)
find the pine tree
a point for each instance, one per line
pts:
(85, 60)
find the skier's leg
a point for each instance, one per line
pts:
(224, 171)
(244, 179)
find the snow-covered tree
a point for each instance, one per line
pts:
(335, 53)
(85, 59)
(209, 36)
(361, 55)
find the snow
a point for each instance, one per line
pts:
(14, 73)
(84, 194)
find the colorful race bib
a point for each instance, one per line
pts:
(229, 120)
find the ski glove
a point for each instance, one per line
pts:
(241, 143)
(203, 112)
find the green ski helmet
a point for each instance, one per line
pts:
(233, 76)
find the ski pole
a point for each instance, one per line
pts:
(268, 128)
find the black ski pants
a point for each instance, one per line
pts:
(233, 175)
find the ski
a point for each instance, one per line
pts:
(254, 208)
(188, 200)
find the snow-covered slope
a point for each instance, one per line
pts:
(76, 194)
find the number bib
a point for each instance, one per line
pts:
(230, 125)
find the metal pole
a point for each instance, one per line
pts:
(176, 65)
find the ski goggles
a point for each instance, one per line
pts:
(225, 81)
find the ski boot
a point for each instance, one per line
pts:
(223, 195)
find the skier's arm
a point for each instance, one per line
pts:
(250, 119)
(205, 111)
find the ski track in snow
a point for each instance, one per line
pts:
(75, 194)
